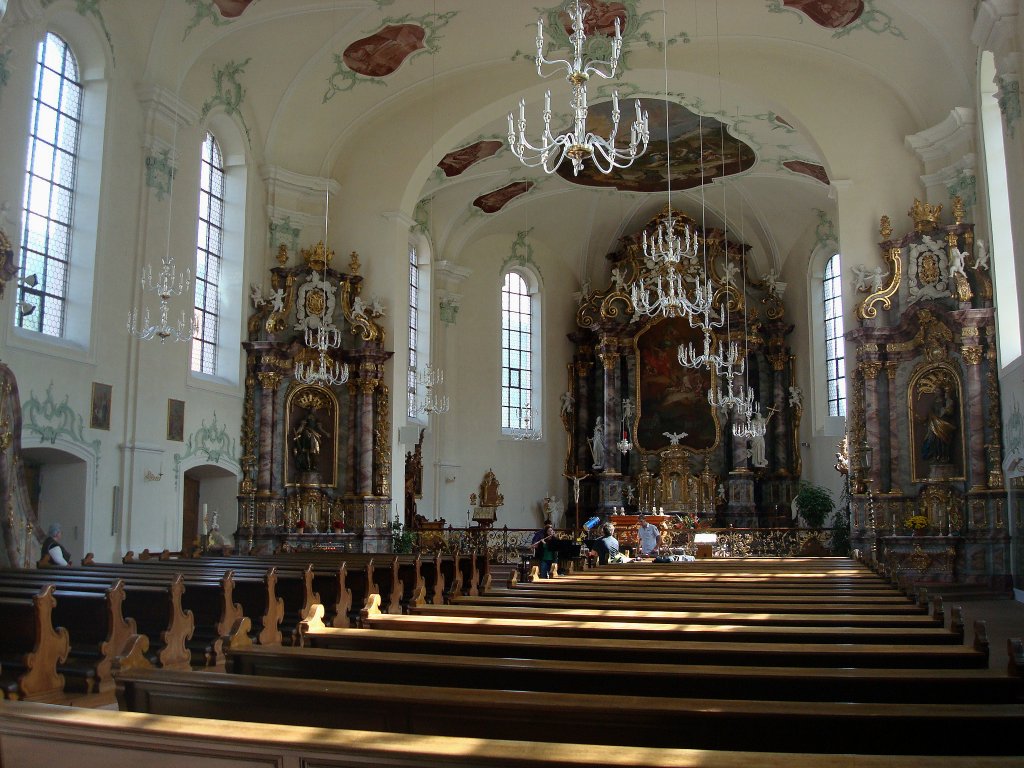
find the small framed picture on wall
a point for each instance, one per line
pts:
(176, 420)
(100, 410)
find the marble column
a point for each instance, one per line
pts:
(612, 402)
(365, 437)
(871, 369)
(895, 401)
(584, 424)
(974, 462)
(780, 449)
(269, 381)
(351, 431)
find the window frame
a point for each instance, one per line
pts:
(530, 418)
(212, 180)
(832, 312)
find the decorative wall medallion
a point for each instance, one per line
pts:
(522, 253)
(383, 52)
(449, 309)
(964, 186)
(160, 172)
(494, 201)
(315, 303)
(217, 12)
(843, 16)
(459, 160)
(1008, 96)
(283, 231)
(50, 420)
(210, 441)
(815, 171)
(927, 270)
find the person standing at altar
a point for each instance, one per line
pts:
(648, 536)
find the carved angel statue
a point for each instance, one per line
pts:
(981, 260)
(256, 295)
(277, 300)
(869, 279)
(567, 401)
(956, 262)
(618, 279)
(675, 437)
(796, 397)
(771, 282)
(376, 306)
(729, 273)
(358, 307)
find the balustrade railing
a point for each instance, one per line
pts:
(506, 545)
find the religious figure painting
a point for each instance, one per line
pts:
(176, 420)
(100, 412)
(672, 399)
(936, 417)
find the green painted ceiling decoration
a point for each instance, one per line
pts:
(86, 8)
(700, 149)
(229, 93)
(382, 52)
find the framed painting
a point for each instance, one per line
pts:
(176, 420)
(99, 411)
(672, 399)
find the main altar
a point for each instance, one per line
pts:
(642, 435)
(316, 457)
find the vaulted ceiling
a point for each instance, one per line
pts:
(759, 95)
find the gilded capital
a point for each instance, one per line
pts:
(871, 368)
(778, 360)
(971, 354)
(269, 379)
(609, 359)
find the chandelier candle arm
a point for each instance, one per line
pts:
(578, 144)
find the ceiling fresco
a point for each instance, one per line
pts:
(458, 161)
(230, 9)
(813, 170)
(831, 14)
(383, 52)
(494, 201)
(694, 144)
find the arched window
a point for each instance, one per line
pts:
(414, 329)
(1001, 245)
(835, 356)
(209, 258)
(519, 354)
(51, 169)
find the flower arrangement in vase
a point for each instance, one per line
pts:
(916, 524)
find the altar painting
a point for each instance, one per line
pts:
(670, 398)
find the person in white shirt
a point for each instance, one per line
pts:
(53, 547)
(649, 537)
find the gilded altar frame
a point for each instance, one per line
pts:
(303, 399)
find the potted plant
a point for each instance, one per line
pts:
(814, 504)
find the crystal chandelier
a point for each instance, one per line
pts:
(751, 426)
(625, 445)
(661, 288)
(327, 372)
(578, 144)
(428, 380)
(168, 284)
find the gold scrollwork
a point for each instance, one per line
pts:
(382, 443)
(610, 311)
(866, 309)
(269, 379)
(362, 325)
(871, 369)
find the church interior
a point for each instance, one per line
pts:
(389, 284)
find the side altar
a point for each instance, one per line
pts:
(317, 413)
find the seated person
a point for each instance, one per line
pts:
(649, 537)
(607, 547)
(52, 546)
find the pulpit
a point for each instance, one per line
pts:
(485, 512)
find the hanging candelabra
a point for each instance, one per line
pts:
(430, 401)
(326, 372)
(625, 445)
(168, 284)
(662, 287)
(578, 144)
(526, 431)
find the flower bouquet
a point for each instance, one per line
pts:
(916, 523)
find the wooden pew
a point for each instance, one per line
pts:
(38, 734)
(518, 597)
(31, 647)
(595, 677)
(781, 618)
(610, 629)
(614, 651)
(155, 605)
(97, 630)
(621, 720)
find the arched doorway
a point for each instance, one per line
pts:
(209, 495)
(59, 492)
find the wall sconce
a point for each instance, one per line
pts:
(152, 476)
